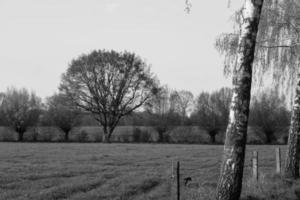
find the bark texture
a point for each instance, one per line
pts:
(105, 138)
(291, 169)
(107, 132)
(230, 182)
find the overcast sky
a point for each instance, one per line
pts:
(38, 38)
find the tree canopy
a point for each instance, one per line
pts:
(20, 110)
(212, 111)
(62, 113)
(278, 45)
(108, 84)
(268, 112)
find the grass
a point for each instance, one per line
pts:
(50, 171)
(271, 186)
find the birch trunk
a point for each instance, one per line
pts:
(291, 169)
(230, 182)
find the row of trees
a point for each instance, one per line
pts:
(165, 110)
(21, 110)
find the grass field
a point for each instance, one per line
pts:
(41, 171)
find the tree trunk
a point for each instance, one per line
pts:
(161, 136)
(107, 132)
(105, 138)
(20, 136)
(67, 136)
(230, 182)
(292, 158)
(212, 138)
(269, 137)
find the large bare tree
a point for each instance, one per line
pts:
(108, 84)
(20, 110)
(230, 182)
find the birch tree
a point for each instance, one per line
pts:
(277, 52)
(230, 182)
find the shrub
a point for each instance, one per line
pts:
(145, 136)
(35, 134)
(47, 136)
(140, 135)
(8, 136)
(98, 138)
(136, 135)
(82, 136)
(126, 138)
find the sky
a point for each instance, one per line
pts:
(39, 38)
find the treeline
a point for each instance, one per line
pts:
(164, 112)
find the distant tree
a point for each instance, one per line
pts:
(163, 119)
(2, 95)
(212, 111)
(268, 112)
(108, 84)
(20, 110)
(182, 103)
(61, 113)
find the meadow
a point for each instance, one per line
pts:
(48, 171)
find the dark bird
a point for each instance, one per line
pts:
(186, 180)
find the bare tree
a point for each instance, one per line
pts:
(61, 113)
(182, 103)
(268, 112)
(20, 110)
(211, 111)
(108, 84)
(163, 119)
(230, 182)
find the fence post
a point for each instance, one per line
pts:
(278, 161)
(172, 170)
(178, 180)
(255, 165)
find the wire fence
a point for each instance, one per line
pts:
(182, 176)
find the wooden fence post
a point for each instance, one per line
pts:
(278, 161)
(178, 180)
(255, 165)
(172, 170)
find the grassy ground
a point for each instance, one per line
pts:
(123, 171)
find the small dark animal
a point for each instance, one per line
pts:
(187, 180)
